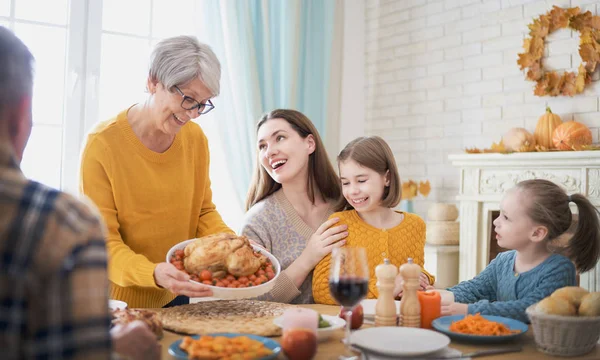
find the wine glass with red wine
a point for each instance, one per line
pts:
(349, 283)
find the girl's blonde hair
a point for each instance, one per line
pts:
(549, 206)
(374, 153)
(326, 184)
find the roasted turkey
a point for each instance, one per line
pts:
(222, 253)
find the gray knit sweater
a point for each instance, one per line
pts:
(275, 224)
(499, 290)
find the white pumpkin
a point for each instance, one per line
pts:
(519, 140)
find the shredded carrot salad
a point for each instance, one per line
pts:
(478, 325)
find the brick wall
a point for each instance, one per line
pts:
(442, 75)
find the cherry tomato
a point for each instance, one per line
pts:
(206, 275)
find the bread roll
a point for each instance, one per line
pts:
(572, 294)
(556, 306)
(590, 305)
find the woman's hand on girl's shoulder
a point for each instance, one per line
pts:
(324, 240)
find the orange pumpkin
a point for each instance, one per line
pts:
(518, 139)
(544, 130)
(571, 135)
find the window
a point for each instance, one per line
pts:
(96, 66)
(4, 11)
(39, 23)
(224, 197)
(81, 79)
(130, 28)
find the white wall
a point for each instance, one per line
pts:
(442, 75)
(353, 95)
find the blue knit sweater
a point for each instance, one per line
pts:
(499, 290)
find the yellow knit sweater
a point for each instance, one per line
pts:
(150, 201)
(406, 240)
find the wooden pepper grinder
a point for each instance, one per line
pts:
(385, 308)
(410, 309)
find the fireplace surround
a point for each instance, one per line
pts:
(485, 177)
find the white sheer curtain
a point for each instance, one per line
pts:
(274, 54)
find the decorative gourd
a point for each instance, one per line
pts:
(571, 135)
(544, 130)
(518, 139)
(442, 212)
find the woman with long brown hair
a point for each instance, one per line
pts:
(293, 192)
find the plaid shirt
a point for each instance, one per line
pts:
(53, 277)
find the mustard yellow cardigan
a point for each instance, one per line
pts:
(149, 201)
(406, 240)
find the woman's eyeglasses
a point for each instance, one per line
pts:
(189, 103)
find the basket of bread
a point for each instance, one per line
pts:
(566, 323)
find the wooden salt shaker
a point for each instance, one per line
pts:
(410, 309)
(385, 308)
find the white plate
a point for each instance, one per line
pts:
(447, 352)
(116, 304)
(322, 333)
(222, 293)
(369, 308)
(400, 341)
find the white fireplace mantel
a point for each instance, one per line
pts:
(485, 177)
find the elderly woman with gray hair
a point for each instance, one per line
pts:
(147, 170)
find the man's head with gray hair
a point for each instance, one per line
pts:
(178, 60)
(16, 87)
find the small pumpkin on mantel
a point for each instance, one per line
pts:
(572, 135)
(518, 140)
(544, 130)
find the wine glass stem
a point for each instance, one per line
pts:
(348, 326)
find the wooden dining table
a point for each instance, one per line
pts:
(333, 347)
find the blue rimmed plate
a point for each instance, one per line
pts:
(443, 323)
(273, 345)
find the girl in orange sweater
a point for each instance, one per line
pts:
(371, 188)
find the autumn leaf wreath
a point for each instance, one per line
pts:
(569, 83)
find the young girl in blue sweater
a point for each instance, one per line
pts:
(533, 215)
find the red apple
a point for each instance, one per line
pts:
(357, 318)
(299, 344)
